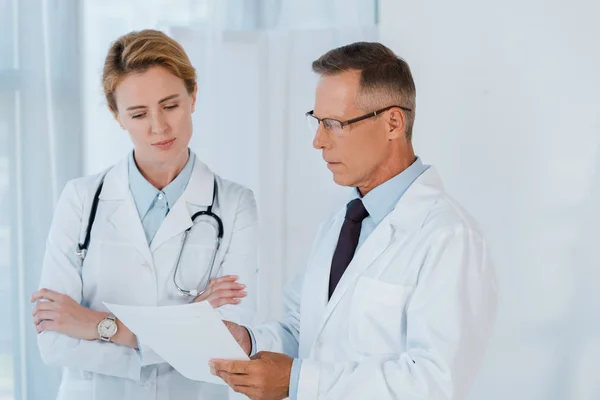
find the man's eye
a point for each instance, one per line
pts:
(328, 124)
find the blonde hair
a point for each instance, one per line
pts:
(138, 51)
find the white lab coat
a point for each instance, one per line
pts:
(121, 268)
(410, 318)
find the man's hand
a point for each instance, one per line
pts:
(265, 377)
(241, 335)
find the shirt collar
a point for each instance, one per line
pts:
(381, 200)
(144, 193)
(175, 189)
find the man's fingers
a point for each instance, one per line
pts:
(237, 380)
(230, 366)
(238, 383)
(46, 295)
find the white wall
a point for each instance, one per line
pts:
(509, 110)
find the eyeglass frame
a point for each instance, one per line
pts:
(343, 124)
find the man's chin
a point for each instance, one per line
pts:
(342, 180)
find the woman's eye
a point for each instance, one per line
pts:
(171, 107)
(136, 116)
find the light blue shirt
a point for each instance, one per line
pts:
(152, 204)
(379, 202)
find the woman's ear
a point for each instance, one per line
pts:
(115, 116)
(193, 95)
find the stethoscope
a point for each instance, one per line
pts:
(83, 247)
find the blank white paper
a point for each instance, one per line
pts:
(185, 336)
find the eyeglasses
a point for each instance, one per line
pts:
(337, 127)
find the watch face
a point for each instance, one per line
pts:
(107, 328)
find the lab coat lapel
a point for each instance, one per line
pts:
(125, 218)
(197, 195)
(407, 217)
(372, 248)
(176, 222)
(316, 283)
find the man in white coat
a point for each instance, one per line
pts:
(398, 299)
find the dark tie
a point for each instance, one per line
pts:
(347, 242)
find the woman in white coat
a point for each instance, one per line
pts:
(144, 205)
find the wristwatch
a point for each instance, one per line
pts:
(107, 327)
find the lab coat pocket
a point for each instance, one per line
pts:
(378, 317)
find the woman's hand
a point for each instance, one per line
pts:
(59, 313)
(223, 290)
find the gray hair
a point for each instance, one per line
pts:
(385, 78)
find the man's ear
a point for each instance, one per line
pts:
(396, 123)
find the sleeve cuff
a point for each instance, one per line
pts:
(308, 381)
(294, 378)
(146, 355)
(138, 350)
(252, 340)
